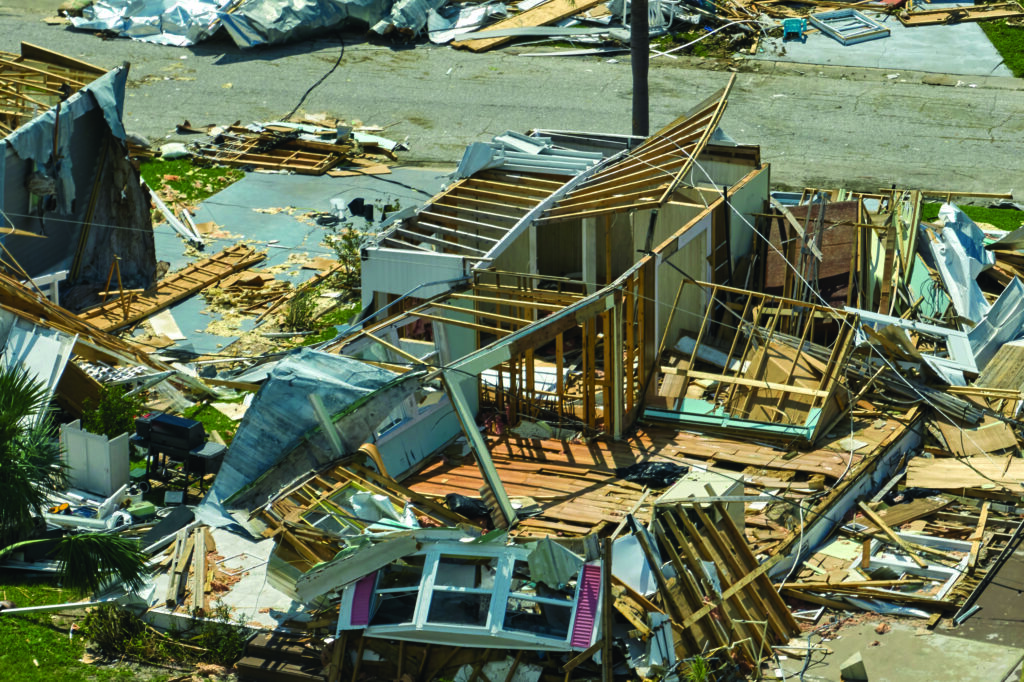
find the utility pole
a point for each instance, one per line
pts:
(639, 53)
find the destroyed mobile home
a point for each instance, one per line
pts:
(611, 407)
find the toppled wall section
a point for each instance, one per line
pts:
(68, 185)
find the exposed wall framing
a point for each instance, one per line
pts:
(762, 379)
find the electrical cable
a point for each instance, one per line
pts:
(324, 77)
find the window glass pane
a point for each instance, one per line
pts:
(472, 572)
(395, 608)
(401, 574)
(522, 585)
(457, 608)
(547, 620)
(325, 522)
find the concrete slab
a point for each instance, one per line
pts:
(998, 620)
(908, 653)
(959, 49)
(267, 207)
(252, 599)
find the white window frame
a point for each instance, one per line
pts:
(493, 628)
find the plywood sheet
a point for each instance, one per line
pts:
(991, 436)
(948, 473)
(542, 15)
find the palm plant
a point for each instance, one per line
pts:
(31, 469)
(30, 464)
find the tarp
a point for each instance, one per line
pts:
(250, 22)
(165, 22)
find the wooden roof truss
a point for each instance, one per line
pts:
(647, 176)
(36, 80)
(472, 216)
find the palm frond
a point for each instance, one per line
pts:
(21, 398)
(88, 560)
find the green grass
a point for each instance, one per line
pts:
(1009, 42)
(1002, 218)
(213, 419)
(36, 648)
(328, 322)
(193, 183)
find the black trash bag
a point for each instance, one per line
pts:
(652, 474)
(469, 507)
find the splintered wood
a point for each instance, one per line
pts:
(732, 607)
(125, 310)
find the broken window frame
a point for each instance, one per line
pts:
(492, 632)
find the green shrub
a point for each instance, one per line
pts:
(115, 412)
(299, 313)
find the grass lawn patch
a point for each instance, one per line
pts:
(188, 182)
(1008, 39)
(37, 648)
(213, 419)
(1003, 218)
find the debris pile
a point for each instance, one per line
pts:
(611, 407)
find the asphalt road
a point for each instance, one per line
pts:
(817, 126)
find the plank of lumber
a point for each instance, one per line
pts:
(542, 15)
(41, 54)
(175, 557)
(899, 514)
(199, 571)
(181, 564)
(891, 534)
(976, 538)
(949, 473)
(192, 279)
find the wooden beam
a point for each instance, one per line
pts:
(461, 323)
(742, 381)
(889, 533)
(976, 539)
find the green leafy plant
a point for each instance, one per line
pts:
(87, 560)
(30, 464)
(223, 637)
(346, 243)
(299, 312)
(114, 413)
(698, 669)
(328, 322)
(119, 633)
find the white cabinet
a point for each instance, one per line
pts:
(95, 464)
